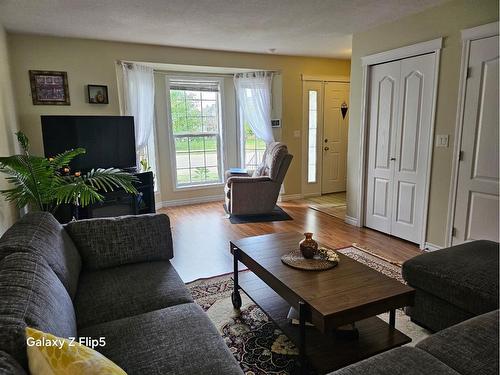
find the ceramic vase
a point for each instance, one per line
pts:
(308, 247)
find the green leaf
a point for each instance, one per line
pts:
(61, 160)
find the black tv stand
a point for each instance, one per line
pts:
(115, 203)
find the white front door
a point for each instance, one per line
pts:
(476, 209)
(334, 142)
(400, 118)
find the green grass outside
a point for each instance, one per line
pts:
(210, 144)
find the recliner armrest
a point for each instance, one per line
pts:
(237, 180)
(110, 242)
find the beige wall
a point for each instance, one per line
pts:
(8, 126)
(445, 21)
(91, 61)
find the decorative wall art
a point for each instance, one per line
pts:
(49, 88)
(97, 94)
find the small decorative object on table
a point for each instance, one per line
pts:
(308, 246)
(324, 259)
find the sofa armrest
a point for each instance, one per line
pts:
(110, 242)
(238, 180)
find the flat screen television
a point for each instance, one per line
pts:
(109, 141)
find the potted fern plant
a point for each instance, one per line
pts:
(44, 184)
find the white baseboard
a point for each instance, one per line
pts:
(431, 247)
(351, 220)
(309, 195)
(195, 200)
(289, 197)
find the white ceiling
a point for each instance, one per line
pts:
(291, 27)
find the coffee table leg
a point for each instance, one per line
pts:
(302, 337)
(235, 295)
(392, 318)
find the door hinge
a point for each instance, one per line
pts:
(460, 155)
(469, 72)
(453, 232)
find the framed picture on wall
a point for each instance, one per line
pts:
(98, 94)
(49, 88)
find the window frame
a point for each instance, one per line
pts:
(220, 139)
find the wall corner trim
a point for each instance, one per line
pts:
(351, 221)
(403, 52)
(431, 247)
(289, 197)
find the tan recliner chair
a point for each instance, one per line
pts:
(257, 194)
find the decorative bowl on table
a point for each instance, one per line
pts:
(323, 259)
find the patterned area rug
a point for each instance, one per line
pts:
(256, 342)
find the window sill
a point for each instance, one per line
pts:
(199, 187)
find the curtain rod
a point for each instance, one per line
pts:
(161, 71)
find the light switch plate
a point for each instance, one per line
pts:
(442, 140)
(296, 133)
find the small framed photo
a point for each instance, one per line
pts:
(98, 94)
(49, 88)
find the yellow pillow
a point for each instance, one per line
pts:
(52, 355)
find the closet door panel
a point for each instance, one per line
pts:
(383, 104)
(412, 142)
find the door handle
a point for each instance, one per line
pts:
(326, 148)
(393, 159)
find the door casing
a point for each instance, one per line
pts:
(468, 35)
(314, 83)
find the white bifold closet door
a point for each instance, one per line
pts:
(400, 118)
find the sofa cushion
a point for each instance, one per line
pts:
(128, 290)
(31, 295)
(465, 275)
(471, 347)
(176, 340)
(110, 242)
(9, 366)
(41, 233)
(400, 361)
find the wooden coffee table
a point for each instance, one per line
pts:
(348, 293)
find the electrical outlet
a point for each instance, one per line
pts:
(442, 140)
(296, 133)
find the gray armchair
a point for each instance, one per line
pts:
(257, 194)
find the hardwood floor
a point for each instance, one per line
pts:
(202, 233)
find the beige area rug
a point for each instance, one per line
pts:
(330, 204)
(256, 342)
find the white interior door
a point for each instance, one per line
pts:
(476, 208)
(400, 118)
(334, 145)
(383, 110)
(412, 144)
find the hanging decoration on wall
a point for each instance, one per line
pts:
(97, 94)
(343, 109)
(49, 88)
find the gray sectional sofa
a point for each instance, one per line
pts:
(453, 284)
(104, 278)
(468, 348)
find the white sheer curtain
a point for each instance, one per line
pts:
(253, 92)
(138, 95)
